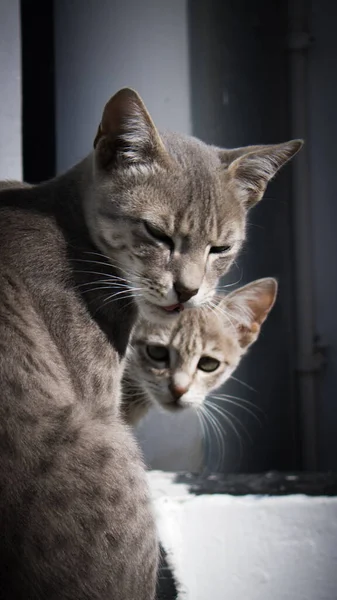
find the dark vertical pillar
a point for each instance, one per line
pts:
(38, 92)
(239, 81)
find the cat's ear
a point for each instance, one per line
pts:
(249, 306)
(127, 133)
(252, 167)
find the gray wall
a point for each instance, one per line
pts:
(10, 77)
(103, 46)
(323, 136)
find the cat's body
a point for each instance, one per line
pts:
(178, 365)
(75, 516)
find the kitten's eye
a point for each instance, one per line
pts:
(220, 249)
(158, 234)
(158, 353)
(208, 364)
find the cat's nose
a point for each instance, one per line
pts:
(177, 391)
(183, 293)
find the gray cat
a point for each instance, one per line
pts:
(145, 222)
(177, 365)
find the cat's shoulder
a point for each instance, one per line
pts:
(29, 234)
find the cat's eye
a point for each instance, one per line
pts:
(158, 234)
(208, 364)
(220, 249)
(158, 353)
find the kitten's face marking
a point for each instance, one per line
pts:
(168, 210)
(178, 365)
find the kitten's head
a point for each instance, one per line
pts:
(178, 365)
(169, 210)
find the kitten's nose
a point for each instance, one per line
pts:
(183, 293)
(177, 391)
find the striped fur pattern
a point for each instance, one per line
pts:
(175, 213)
(222, 332)
(79, 255)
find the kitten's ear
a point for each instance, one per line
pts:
(249, 306)
(252, 167)
(127, 133)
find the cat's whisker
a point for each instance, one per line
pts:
(127, 292)
(112, 284)
(129, 303)
(109, 276)
(227, 285)
(243, 383)
(220, 436)
(219, 433)
(243, 407)
(111, 287)
(116, 298)
(130, 296)
(209, 428)
(120, 265)
(222, 410)
(207, 438)
(130, 272)
(219, 311)
(243, 400)
(228, 419)
(94, 262)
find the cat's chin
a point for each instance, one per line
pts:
(156, 314)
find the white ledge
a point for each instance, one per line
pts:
(223, 547)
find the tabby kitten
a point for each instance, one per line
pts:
(177, 365)
(145, 222)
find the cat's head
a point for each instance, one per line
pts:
(169, 210)
(178, 365)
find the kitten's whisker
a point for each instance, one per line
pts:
(250, 412)
(243, 383)
(206, 441)
(219, 436)
(243, 400)
(224, 411)
(231, 424)
(209, 431)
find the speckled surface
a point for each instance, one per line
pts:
(271, 484)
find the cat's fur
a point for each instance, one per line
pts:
(75, 517)
(223, 333)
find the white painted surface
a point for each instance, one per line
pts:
(10, 77)
(248, 548)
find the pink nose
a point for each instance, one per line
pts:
(177, 391)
